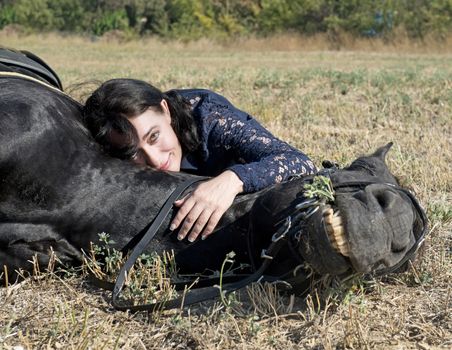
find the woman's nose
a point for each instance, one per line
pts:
(151, 157)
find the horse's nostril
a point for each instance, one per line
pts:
(381, 199)
(384, 198)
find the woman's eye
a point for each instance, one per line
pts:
(153, 137)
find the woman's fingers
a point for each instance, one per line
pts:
(181, 201)
(200, 224)
(190, 219)
(213, 221)
(185, 204)
(201, 210)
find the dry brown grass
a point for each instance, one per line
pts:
(333, 105)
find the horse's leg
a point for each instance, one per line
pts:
(20, 242)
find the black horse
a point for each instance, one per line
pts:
(58, 191)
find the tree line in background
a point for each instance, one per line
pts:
(192, 19)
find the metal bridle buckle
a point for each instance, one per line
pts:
(282, 285)
(287, 225)
(310, 212)
(307, 203)
(297, 235)
(264, 255)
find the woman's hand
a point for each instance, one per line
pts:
(201, 210)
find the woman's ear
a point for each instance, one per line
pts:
(165, 109)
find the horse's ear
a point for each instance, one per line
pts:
(382, 151)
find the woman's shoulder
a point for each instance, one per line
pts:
(207, 106)
(202, 97)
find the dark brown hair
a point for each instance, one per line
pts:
(115, 100)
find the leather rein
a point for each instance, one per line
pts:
(287, 230)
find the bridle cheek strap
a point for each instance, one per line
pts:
(144, 242)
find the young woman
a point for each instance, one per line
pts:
(196, 131)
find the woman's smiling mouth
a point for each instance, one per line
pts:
(166, 165)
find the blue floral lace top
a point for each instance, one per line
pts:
(232, 139)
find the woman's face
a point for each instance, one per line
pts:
(158, 145)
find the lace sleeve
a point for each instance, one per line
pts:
(260, 158)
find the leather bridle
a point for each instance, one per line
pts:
(287, 232)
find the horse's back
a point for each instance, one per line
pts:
(26, 63)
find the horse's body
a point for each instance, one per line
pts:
(58, 190)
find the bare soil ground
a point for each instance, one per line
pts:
(333, 105)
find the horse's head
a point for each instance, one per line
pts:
(371, 225)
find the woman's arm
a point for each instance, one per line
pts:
(261, 158)
(260, 161)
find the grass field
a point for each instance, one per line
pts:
(331, 104)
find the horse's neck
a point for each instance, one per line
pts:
(125, 200)
(119, 199)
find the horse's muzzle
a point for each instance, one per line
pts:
(317, 246)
